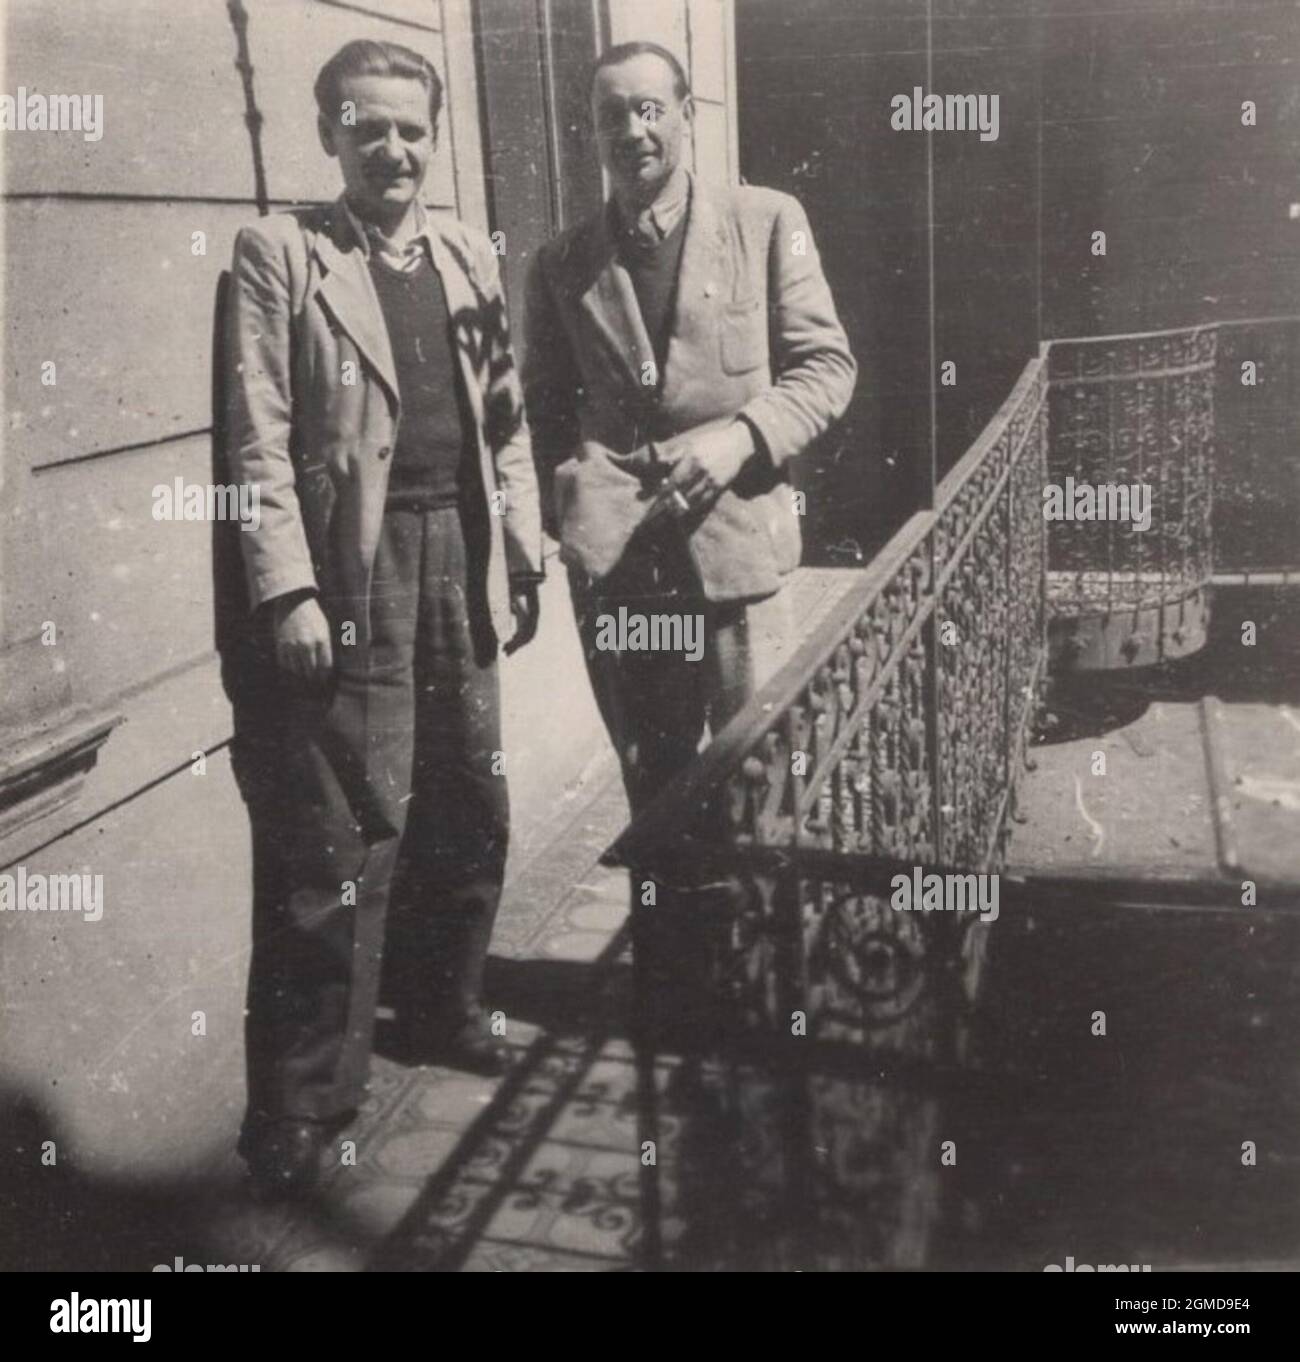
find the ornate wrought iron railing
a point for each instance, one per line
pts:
(892, 736)
(1126, 412)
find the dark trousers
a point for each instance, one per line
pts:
(657, 706)
(380, 823)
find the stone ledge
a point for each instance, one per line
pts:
(41, 773)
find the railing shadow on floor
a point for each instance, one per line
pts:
(491, 1172)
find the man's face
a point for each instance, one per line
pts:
(384, 155)
(640, 124)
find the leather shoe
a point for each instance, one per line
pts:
(284, 1155)
(470, 1047)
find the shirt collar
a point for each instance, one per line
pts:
(661, 217)
(367, 236)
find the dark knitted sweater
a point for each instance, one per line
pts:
(433, 437)
(654, 269)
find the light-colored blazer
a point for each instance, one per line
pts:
(312, 406)
(754, 334)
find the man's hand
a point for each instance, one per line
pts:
(302, 637)
(527, 611)
(709, 464)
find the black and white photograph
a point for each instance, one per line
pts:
(650, 636)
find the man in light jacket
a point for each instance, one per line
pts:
(372, 399)
(682, 348)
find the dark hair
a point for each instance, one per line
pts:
(367, 58)
(621, 52)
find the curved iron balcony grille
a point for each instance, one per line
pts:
(1126, 411)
